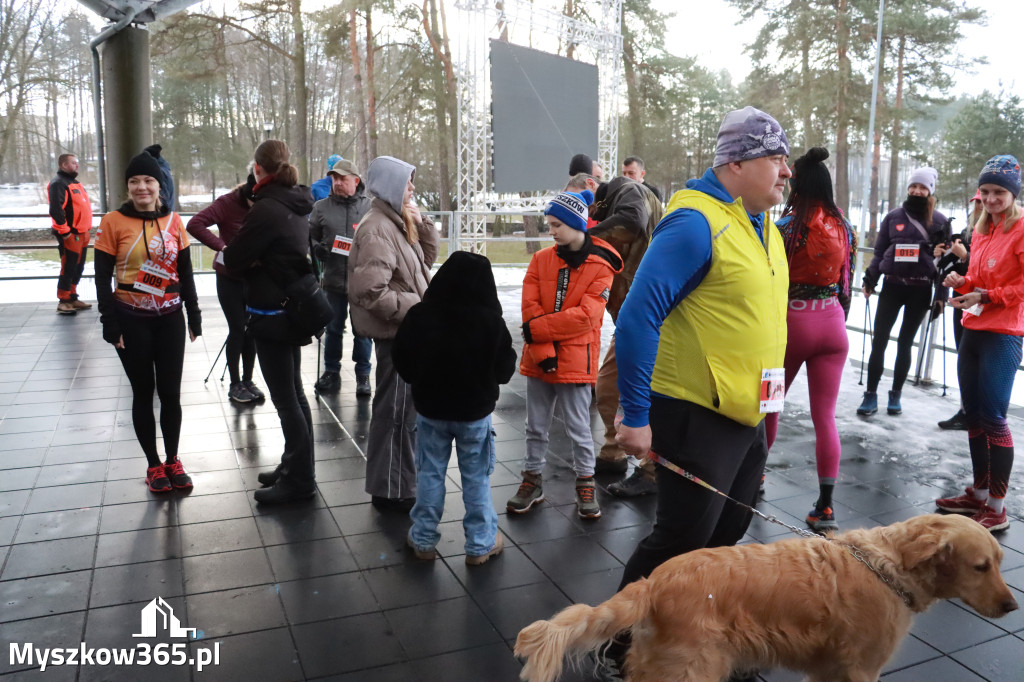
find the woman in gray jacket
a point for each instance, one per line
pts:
(388, 273)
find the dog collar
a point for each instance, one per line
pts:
(861, 556)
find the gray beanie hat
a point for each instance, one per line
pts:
(926, 176)
(749, 133)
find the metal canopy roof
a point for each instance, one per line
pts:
(145, 11)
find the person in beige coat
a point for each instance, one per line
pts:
(388, 273)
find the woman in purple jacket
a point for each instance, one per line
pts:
(227, 213)
(903, 253)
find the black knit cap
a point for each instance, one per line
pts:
(581, 163)
(143, 164)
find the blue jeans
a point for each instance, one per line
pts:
(474, 445)
(362, 347)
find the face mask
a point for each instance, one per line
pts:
(916, 206)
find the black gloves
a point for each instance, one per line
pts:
(195, 321)
(527, 337)
(111, 329)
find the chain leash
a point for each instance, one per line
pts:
(853, 550)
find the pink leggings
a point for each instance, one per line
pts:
(817, 337)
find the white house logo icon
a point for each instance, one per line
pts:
(159, 612)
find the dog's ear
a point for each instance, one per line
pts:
(945, 566)
(921, 548)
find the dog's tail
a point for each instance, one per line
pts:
(578, 629)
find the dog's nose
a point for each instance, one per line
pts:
(1010, 605)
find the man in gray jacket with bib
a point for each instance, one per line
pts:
(332, 225)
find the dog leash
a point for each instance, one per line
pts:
(854, 551)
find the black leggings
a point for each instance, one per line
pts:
(728, 455)
(240, 345)
(153, 353)
(280, 365)
(916, 302)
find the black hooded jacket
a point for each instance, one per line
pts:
(270, 251)
(453, 347)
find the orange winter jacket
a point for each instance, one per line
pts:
(997, 266)
(563, 308)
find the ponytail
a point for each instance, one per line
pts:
(273, 156)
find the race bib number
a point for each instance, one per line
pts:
(342, 245)
(773, 390)
(152, 279)
(907, 253)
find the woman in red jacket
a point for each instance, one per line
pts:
(820, 247)
(992, 298)
(227, 212)
(565, 293)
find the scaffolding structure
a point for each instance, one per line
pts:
(524, 23)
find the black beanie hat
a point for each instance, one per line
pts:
(581, 163)
(144, 164)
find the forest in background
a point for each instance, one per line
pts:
(369, 77)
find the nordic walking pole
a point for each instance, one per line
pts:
(214, 365)
(864, 337)
(922, 352)
(319, 272)
(943, 351)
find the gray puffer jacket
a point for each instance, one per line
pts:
(386, 274)
(332, 217)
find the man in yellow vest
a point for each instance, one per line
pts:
(701, 340)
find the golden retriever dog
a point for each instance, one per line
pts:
(805, 604)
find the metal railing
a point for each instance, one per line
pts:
(447, 223)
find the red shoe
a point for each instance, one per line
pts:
(962, 504)
(992, 520)
(156, 479)
(176, 473)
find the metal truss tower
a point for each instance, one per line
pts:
(523, 22)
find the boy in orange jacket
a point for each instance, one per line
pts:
(564, 297)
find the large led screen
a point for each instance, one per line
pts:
(543, 111)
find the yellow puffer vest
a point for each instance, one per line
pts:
(715, 343)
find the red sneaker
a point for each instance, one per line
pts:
(156, 479)
(176, 473)
(961, 504)
(992, 520)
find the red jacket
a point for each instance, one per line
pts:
(563, 344)
(997, 266)
(70, 210)
(226, 212)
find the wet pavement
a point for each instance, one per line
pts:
(327, 590)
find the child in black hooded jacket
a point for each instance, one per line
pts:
(454, 350)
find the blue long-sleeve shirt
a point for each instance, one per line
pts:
(676, 262)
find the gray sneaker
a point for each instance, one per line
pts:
(238, 393)
(586, 500)
(530, 493)
(639, 483)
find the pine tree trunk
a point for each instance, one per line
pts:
(842, 190)
(876, 162)
(357, 78)
(300, 149)
(636, 118)
(371, 96)
(897, 129)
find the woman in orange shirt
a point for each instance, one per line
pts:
(992, 298)
(142, 250)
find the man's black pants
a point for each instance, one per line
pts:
(726, 454)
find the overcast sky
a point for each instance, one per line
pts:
(996, 41)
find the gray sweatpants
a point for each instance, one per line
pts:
(541, 398)
(391, 443)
